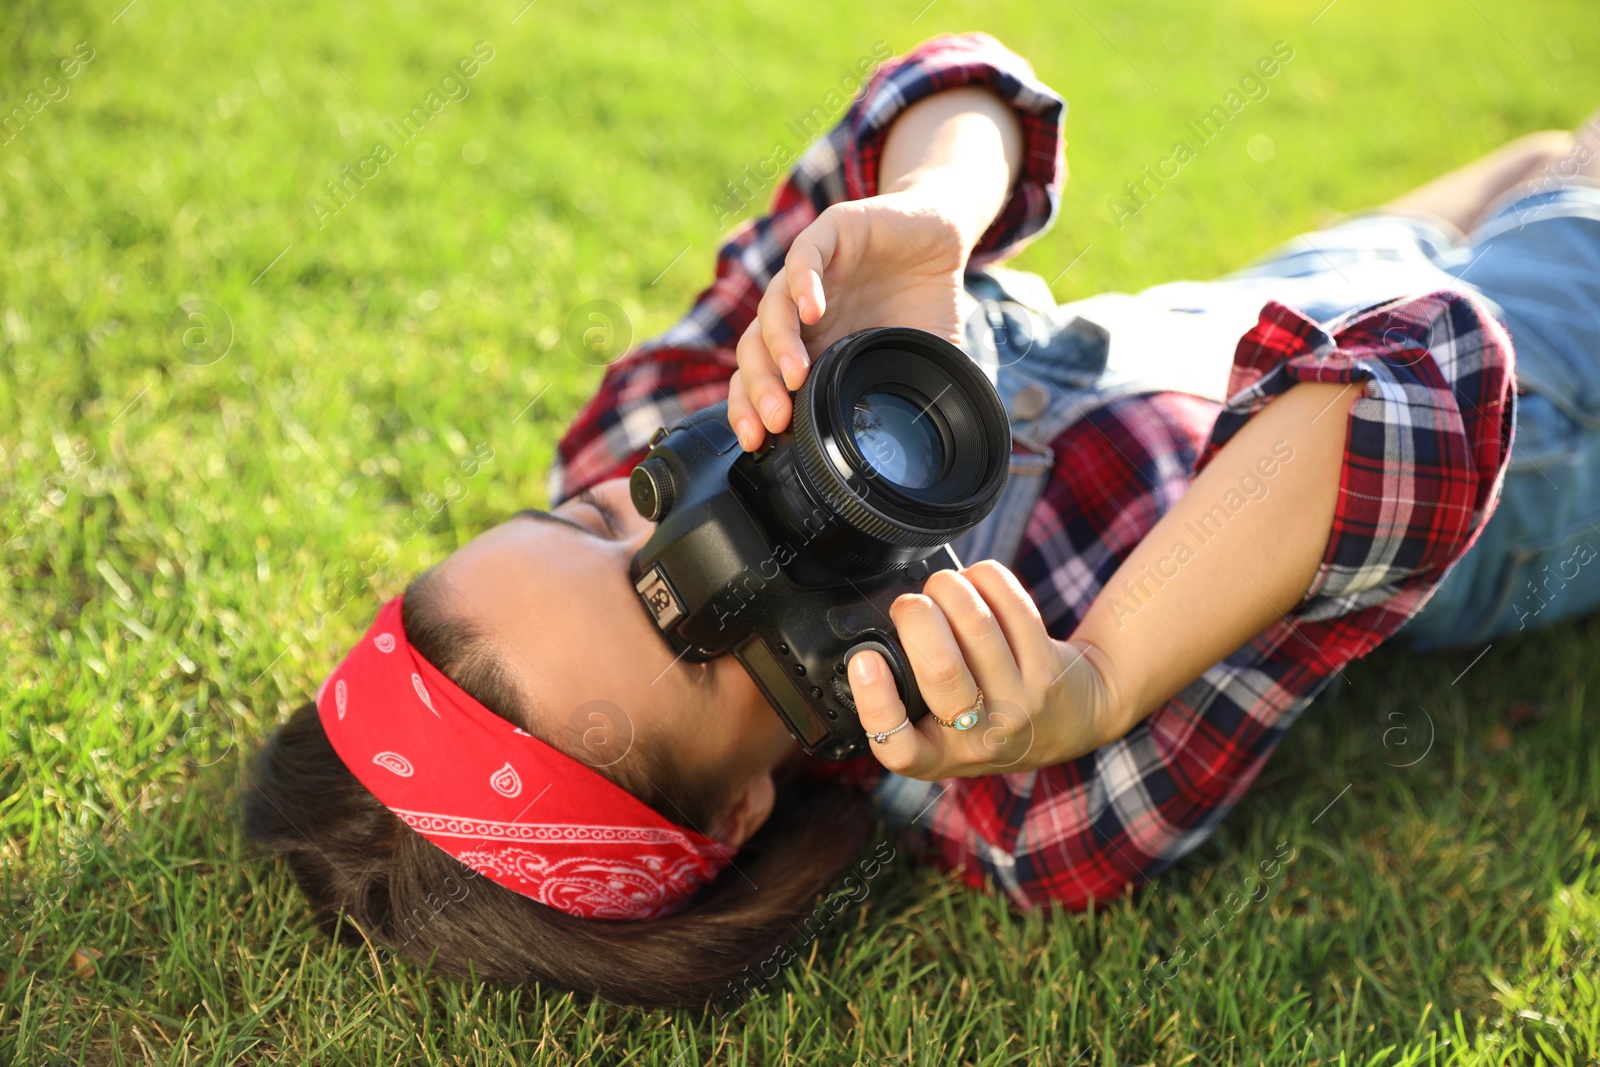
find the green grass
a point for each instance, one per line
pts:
(186, 546)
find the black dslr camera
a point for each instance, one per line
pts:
(789, 557)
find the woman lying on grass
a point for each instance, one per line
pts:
(1221, 494)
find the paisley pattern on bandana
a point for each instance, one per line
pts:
(517, 811)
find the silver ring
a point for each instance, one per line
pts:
(883, 738)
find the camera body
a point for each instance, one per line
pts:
(788, 558)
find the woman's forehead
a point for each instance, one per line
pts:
(558, 602)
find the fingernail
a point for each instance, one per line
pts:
(746, 431)
(790, 369)
(769, 409)
(862, 668)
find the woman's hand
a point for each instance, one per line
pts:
(895, 259)
(890, 260)
(1045, 701)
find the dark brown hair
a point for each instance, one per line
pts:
(353, 857)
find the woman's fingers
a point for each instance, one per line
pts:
(935, 655)
(780, 331)
(762, 388)
(1015, 611)
(805, 289)
(908, 751)
(967, 629)
(806, 262)
(981, 640)
(773, 360)
(742, 415)
(795, 296)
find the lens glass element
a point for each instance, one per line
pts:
(898, 439)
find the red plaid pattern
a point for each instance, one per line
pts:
(688, 367)
(1427, 450)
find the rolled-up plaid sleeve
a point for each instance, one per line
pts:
(689, 366)
(1429, 440)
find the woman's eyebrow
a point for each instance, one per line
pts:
(550, 516)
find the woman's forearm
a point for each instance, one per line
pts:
(1239, 550)
(961, 146)
(1234, 555)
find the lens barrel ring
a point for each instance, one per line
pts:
(838, 494)
(832, 467)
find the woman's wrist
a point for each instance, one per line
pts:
(950, 197)
(1085, 705)
(957, 152)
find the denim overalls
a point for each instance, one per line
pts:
(1050, 370)
(1535, 262)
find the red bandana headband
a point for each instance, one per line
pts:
(501, 801)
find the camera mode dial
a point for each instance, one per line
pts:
(650, 486)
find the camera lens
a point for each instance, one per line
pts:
(897, 437)
(899, 444)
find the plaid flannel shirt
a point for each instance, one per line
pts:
(689, 366)
(1427, 449)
